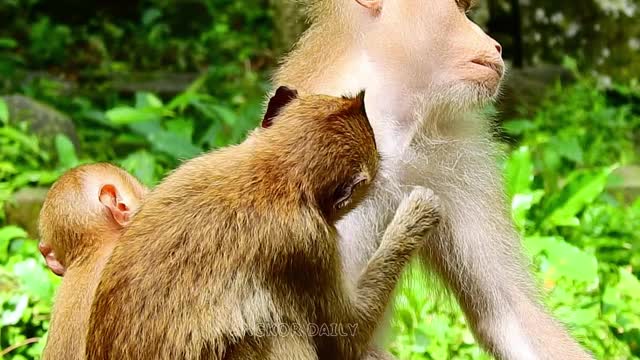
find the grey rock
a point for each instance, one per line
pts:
(155, 82)
(23, 208)
(44, 121)
(625, 183)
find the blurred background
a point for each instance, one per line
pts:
(148, 83)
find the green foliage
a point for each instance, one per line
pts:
(26, 294)
(225, 38)
(164, 133)
(66, 152)
(26, 285)
(21, 162)
(4, 113)
(48, 42)
(583, 239)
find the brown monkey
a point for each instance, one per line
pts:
(81, 219)
(427, 70)
(234, 255)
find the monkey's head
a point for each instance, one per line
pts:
(432, 47)
(320, 147)
(86, 208)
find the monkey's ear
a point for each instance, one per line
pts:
(111, 199)
(50, 258)
(344, 194)
(374, 6)
(280, 99)
(360, 98)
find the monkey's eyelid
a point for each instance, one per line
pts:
(348, 192)
(344, 199)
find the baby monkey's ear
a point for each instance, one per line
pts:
(112, 199)
(280, 99)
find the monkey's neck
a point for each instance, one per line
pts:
(94, 262)
(395, 109)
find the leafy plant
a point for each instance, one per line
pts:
(49, 41)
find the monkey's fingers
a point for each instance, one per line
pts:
(419, 212)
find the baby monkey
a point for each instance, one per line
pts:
(235, 254)
(82, 218)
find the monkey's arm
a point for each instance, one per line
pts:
(417, 214)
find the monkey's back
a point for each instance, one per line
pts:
(194, 271)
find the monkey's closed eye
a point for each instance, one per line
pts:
(280, 99)
(344, 193)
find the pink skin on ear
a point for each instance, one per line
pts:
(110, 198)
(50, 259)
(374, 6)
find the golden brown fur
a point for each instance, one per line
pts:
(79, 233)
(240, 241)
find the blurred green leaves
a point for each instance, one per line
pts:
(142, 165)
(127, 115)
(4, 113)
(581, 189)
(66, 152)
(562, 260)
(7, 234)
(519, 171)
(26, 293)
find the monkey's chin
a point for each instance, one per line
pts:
(485, 91)
(467, 95)
(460, 95)
(478, 93)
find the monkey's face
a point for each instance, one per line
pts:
(432, 46)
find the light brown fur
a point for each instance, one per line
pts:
(78, 233)
(241, 240)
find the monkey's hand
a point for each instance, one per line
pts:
(417, 214)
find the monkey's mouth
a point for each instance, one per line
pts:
(497, 67)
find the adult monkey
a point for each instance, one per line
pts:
(427, 70)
